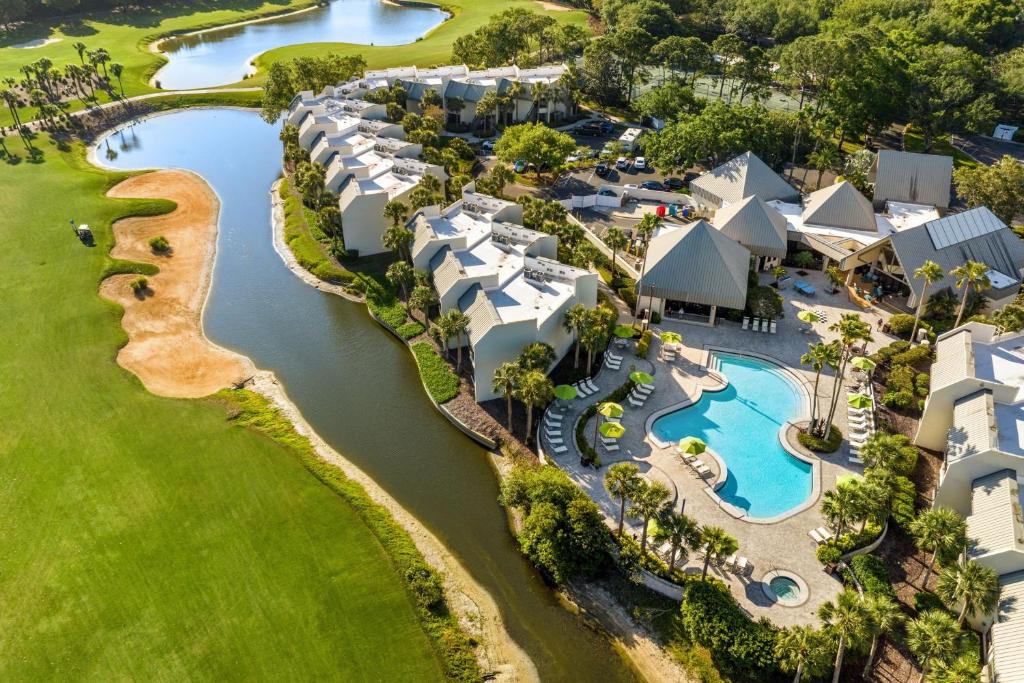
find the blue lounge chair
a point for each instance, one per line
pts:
(804, 288)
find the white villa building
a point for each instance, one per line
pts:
(367, 160)
(504, 277)
(975, 413)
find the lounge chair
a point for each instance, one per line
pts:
(559, 449)
(582, 390)
(687, 457)
(612, 365)
(818, 539)
(590, 385)
(742, 565)
(614, 356)
(854, 460)
(552, 440)
(772, 330)
(702, 470)
(552, 434)
(644, 389)
(635, 403)
(766, 325)
(553, 417)
(825, 533)
(730, 561)
(611, 447)
(746, 322)
(755, 324)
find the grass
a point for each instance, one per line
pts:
(309, 252)
(440, 380)
(151, 538)
(914, 142)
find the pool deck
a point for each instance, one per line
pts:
(778, 545)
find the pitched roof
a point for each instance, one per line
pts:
(755, 225)
(839, 206)
(913, 178)
(1007, 634)
(974, 235)
(744, 176)
(991, 522)
(698, 264)
(467, 92)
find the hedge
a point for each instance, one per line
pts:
(829, 551)
(437, 376)
(873, 576)
(307, 251)
(819, 445)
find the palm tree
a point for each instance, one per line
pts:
(778, 272)
(445, 332)
(457, 323)
(397, 239)
(430, 183)
(534, 389)
(884, 615)
(971, 275)
(972, 584)
(539, 92)
(117, 70)
(400, 274)
(931, 272)
(851, 329)
(396, 211)
(716, 542)
(932, 636)
(572, 322)
(846, 620)
(512, 95)
(822, 160)
(963, 669)
(80, 48)
(506, 383)
(621, 480)
(819, 356)
(421, 299)
(678, 531)
(648, 500)
(797, 647)
(615, 238)
(837, 506)
(647, 226)
(595, 331)
(938, 531)
(537, 356)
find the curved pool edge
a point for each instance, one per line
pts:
(802, 384)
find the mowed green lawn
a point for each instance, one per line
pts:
(147, 538)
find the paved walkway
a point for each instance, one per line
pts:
(781, 545)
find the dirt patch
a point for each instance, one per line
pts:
(166, 347)
(554, 7)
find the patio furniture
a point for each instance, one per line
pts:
(804, 288)
(773, 327)
(755, 325)
(765, 325)
(555, 442)
(580, 387)
(554, 417)
(741, 566)
(642, 390)
(854, 460)
(590, 385)
(731, 561)
(746, 321)
(687, 457)
(611, 364)
(611, 447)
(614, 356)
(634, 402)
(702, 470)
(784, 281)
(813, 533)
(825, 533)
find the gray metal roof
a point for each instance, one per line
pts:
(744, 176)
(1007, 634)
(999, 249)
(467, 92)
(755, 225)
(839, 206)
(448, 273)
(990, 524)
(974, 426)
(483, 316)
(954, 359)
(698, 264)
(913, 178)
(960, 227)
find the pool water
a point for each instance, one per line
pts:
(785, 589)
(741, 424)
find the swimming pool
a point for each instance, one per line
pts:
(741, 424)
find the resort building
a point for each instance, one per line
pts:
(975, 413)
(757, 226)
(739, 178)
(910, 178)
(693, 270)
(503, 276)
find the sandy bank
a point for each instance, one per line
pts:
(166, 347)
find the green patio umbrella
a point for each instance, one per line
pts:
(808, 316)
(863, 363)
(612, 430)
(671, 338)
(565, 392)
(640, 377)
(692, 445)
(860, 401)
(624, 331)
(610, 409)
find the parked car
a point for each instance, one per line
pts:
(608, 149)
(602, 170)
(631, 186)
(622, 164)
(519, 166)
(640, 163)
(607, 127)
(674, 183)
(652, 185)
(589, 129)
(487, 145)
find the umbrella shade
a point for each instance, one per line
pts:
(860, 401)
(641, 377)
(610, 409)
(863, 363)
(624, 331)
(671, 338)
(612, 430)
(692, 445)
(808, 316)
(565, 392)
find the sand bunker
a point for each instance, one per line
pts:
(167, 349)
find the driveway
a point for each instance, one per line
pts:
(988, 150)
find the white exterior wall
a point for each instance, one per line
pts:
(956, 478)
(501, 344)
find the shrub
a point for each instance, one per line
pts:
(925, 601)
(899, 400)
(901, 324)
(160, 244)
(644, 345)
(900, 378)
(425, 585)
(884, 354)
(629, 296)
(844, 543)
(139, 284)
(440, 380)
(873, 575)
(742, 648)
(410, 330)
(922, 383)
(655, 318)
(818, 445)
(828, 554)
(913, 356)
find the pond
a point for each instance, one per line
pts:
(222, 56)
(353, 382)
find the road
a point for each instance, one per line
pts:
(988, 150)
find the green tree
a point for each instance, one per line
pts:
(649, 499)
(668, 102)
(944, 80)
(594, 334)
(970, 275)
(537, 356)
(963, 669)
(506, 383)
(846, 620)
(931, 272)
(972, 587)
(421, 299)
(800, 649)
(117, 70)
(716, 544)
(932, 637)
(838, 506)
(621, 480)
(825, 158)
(573, 321)
(534, 389)
(1000, 186)
(455, 324)
(883, 616)
(679, 531)
(819, 356)
(400, 274)
(535, 144)
(616, 239)
(940, 532)
(309, 181)
(851, 329)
